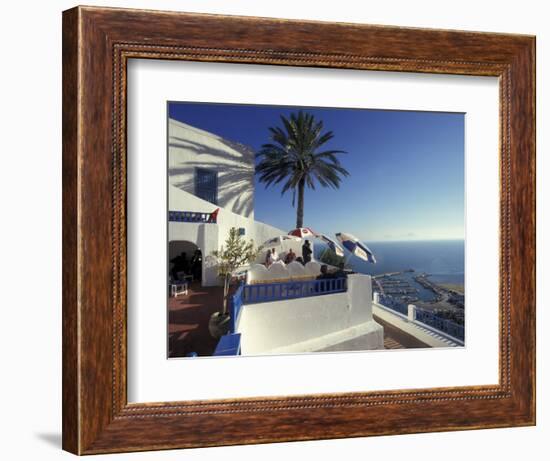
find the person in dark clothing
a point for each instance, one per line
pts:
(340, 273)
(180, 264)
(325, 275)
(306, 252)
(196, 265)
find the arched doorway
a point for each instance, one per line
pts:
(185, 260)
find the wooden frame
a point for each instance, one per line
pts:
(97, 43)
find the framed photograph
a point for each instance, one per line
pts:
(281, 230)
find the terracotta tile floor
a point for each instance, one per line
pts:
(188, 317)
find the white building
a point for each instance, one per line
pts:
(206, 172)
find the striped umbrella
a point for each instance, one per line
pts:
(332, 244)
(303, 232)
(356, 247)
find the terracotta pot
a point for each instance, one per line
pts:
(218, 325)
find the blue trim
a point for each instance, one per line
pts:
(267, 292)
(435, 322)
(394, 305)
(191, 216)
(235, 305)
(229, 344)
(446, 326)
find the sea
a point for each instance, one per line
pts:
(443, 260)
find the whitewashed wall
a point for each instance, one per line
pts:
(190, 147)
(311, 324)
(209, 237)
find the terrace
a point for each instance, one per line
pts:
(189, 316)
(188, 325)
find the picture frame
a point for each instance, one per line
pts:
(97, 44)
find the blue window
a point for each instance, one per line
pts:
(206, 185)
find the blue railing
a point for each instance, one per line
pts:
(191, 216)
(266, 292)
(235, 305)
(229, 344)
(432, 320)
(394, 305)
(446, 326)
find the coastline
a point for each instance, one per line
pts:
(456, 287)
(401, 288)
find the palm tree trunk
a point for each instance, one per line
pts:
(300, 208)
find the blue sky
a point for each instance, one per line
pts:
(406, 169)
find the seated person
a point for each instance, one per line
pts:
(340, 273)
(180, 266)
(325, 275)
(272, 256)
(290, 257)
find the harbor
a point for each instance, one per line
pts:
(402, 288)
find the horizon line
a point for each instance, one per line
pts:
(452, 239)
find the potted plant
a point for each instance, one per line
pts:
(234, 254)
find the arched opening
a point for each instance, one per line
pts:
(185, 261)
(190, 309)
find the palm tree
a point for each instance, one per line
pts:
(295, 156)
